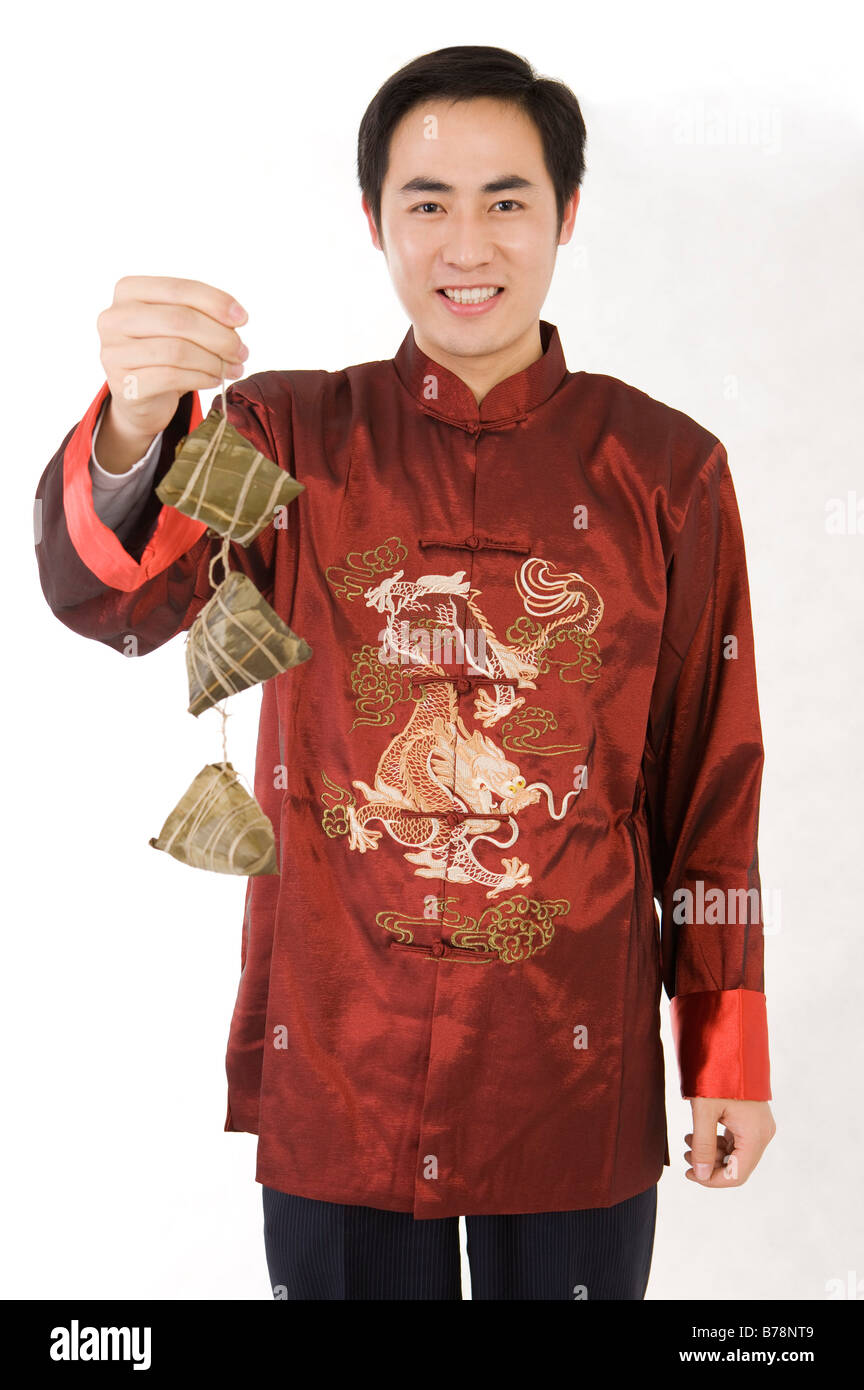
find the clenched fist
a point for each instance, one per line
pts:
(161, 337)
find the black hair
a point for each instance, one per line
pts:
(462, 73)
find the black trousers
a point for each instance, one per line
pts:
(328, 1250)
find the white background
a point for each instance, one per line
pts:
(715, 264)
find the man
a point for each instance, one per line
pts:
(531, 707)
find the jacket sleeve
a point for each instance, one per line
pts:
(136, 594)
(703, 772)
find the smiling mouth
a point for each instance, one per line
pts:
(478, 295)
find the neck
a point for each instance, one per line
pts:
(480, 374)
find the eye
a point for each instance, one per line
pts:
(512, 201)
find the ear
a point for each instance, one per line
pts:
(373, 231)
(569, 219)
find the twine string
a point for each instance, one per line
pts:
(208, 457)
(221, 554)
(225, 717)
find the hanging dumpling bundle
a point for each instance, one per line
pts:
(237, 639)
(217, 825)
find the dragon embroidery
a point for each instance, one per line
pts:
(436, 766)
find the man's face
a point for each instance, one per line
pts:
(446, 231)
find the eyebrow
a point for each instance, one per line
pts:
(502, 185)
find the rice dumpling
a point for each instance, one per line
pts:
(219, 477)
(217, 825)
(237, 640)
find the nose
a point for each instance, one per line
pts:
(467, 243)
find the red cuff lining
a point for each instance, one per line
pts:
(96, 543)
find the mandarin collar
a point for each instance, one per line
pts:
(510, 400)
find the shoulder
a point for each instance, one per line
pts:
(639, 420)
(310, 389)
(668, 447)
(283, 391)
(307, 415)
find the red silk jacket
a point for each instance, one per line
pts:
(531, 709)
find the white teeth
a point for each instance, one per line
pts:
(478, 296)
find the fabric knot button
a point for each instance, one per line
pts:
(452, 817)
(463, 683)
(437, 948)
(473, 541)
